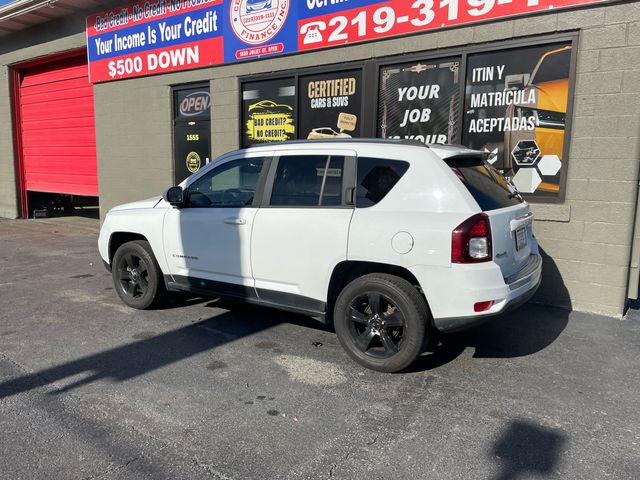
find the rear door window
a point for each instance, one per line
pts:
(376, 178)
(308, 180)
(485, 184)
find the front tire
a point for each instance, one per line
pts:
(136, 275)
(382, 322)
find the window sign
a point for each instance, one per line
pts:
(331, 105)
(515, 111)
(191, 130)
(510, 103)
(420, 100)
(268, 111)
(194, 102)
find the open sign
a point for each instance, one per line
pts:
(195, 103)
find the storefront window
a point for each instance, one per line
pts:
(509, 102)
(331, 105)
(268, 111)
(515, 111)
(420, 100)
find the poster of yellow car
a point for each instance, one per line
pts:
(515, 111)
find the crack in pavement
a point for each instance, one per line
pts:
(212, 472)
(111, 470)
(375, 439)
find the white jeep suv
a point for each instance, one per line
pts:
(387, 239)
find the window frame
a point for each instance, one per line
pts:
(176, 120)
(567, 37)
(369, 86)
(348, 177)
(242, 81)
(355, 192)
(260, 185)
(371, 71)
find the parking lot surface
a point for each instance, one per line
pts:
(207, 389)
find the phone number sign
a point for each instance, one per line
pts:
(157, 36)
(326, 23)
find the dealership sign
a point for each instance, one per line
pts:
(157, 36)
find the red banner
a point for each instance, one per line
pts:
(399, 17)
(156, 36)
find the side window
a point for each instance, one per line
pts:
(308, 180)
(230, 185)
(376, 178)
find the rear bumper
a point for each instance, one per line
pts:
(517, 290)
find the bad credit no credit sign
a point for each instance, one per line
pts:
(158, 36)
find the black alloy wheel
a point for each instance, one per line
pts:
(133, 275)
(377, 325)
(382, 322)
(137, 277)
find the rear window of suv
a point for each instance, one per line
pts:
(376, 178)
(485, 184)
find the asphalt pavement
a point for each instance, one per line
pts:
(90, 389)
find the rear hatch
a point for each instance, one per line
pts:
(509, 215)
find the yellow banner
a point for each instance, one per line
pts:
(270, 127)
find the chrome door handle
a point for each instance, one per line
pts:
(235, 221)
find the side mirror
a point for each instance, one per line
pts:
(516, 81)
(174, 196)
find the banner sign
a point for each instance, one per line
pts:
(146, 38)
(420, 101)
(331, 105)
(156, 36)
(515, 111)
(268, 111)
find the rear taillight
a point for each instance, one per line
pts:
(471, 240)
(482, 306)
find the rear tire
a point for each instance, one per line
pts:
(382, 322)
(136, 275)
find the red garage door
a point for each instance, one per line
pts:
(58, 129)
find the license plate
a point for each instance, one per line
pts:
(521, 238)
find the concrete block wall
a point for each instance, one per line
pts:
(134, 141)
(589, 246)
(586, 240)
(8, 182)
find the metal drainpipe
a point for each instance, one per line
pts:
(633, 280)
